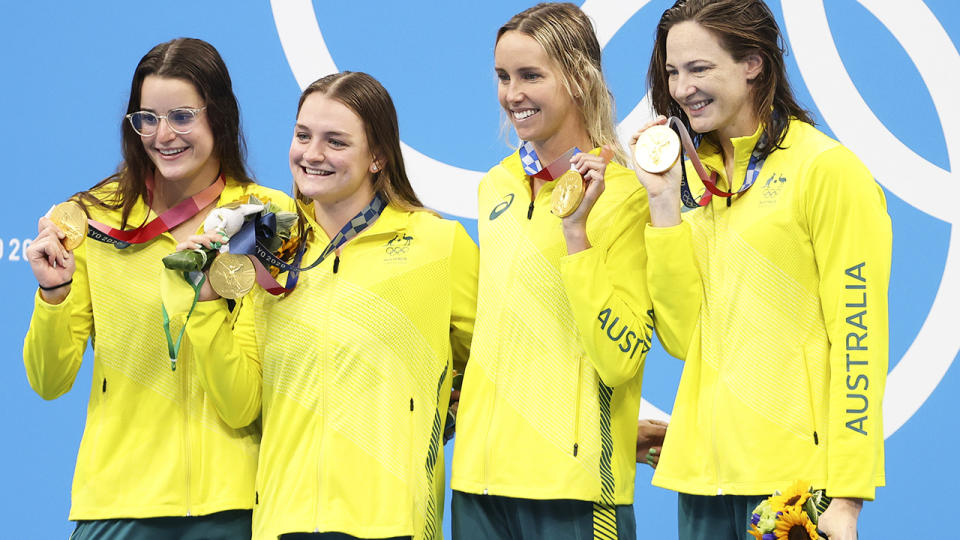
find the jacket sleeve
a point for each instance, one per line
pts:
(227, 358)
(57, 338)
(675, 287)
(464, 264)
(607, 290)
(852, 240)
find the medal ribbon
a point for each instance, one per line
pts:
(195, 279)
(531, 163)
(710, 179)
(183, 211)
(247, 241)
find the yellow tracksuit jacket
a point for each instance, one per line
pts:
(153, 444)
(778, 304)
(552, 391)
(352, 371)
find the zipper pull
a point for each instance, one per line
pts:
(575, 446)
(530, 211)
(336, 263)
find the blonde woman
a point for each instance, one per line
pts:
(547, 431)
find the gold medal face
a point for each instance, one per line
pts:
(70, 218)
(567, 194)
(232, 275)
(657, 150)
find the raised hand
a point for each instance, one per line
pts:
(51, 263)
(663, 190)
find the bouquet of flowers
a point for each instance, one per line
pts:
(228, 220)
(791, 515)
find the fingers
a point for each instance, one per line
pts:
(197, 241)
(660, 120)
(653, 456)
(47, 247)
(45, 228)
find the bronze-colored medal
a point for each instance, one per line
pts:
(70, 218)
(567, 194)
(657, 150)
(232, 275)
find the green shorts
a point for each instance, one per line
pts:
(491, 517)
(228, 525)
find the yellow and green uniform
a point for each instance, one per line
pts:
(778, 304)
(550, 397)
(352, 372)
(153, 444)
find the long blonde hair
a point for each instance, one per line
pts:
(568, 37)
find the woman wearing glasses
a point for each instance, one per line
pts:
(155, 460)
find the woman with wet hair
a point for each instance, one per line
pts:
(155, 461)
(547, 431)
(351, 371)
(772, 288)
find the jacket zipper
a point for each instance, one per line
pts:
(187, 449)
(713, 407)
(323, 384)
(813, 411)
(576, 408)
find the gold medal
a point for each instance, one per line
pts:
(657, 150)
(567, 194)
(232, 275)
(70, 218)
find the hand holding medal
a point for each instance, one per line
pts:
(50, 255)
(578, 189)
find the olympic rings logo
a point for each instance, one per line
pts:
(911, 177)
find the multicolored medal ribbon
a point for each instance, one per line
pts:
(249, 241)
(183, 211)
(657, 150)
(532, 166)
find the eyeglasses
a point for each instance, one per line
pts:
(181, 120)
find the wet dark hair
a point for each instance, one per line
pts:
(744, 28)
(199, 63)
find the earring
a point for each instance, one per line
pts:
(374, 168)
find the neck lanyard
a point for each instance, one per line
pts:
(183, 211)
(710, 179)
(248, 241)
(532, 166)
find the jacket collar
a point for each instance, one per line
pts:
(391, 220)
(712, 157)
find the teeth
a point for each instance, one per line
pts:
(699, 105)
(171, 151)
(316, 171)
(526, 113)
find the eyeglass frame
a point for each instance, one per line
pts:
(194, 110)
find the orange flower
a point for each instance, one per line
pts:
(755, 532)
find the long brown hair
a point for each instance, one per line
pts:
(366, 97)
(743, 27)
(198, 63)
(568, 37)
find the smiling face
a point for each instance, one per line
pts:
(178, 158)
(532, 93)
(330, 158)
(711, 87)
